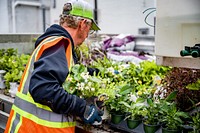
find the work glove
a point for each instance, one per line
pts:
(94, 109)
(92, 71)
(92, 114)
(98, 101)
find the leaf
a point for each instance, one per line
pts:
(125, 90)
(149, 101)
(140, 100)
(95, 79)
(172, 96)
(125, 103)
(194, 86)
(182, 114)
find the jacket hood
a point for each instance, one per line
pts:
(54, 30)
(57, 30)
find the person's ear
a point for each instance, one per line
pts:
(83, 24)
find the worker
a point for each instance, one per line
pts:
(41, 104)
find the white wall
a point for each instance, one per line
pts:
(177, 27)
(4, 24)
(114, 16)
(23, 16)
(117, 16)
(123, 16)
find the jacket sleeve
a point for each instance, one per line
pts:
(50, 71)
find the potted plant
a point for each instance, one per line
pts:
(15, 67)
(115, 104)
(135, 108)
(151, 114)
(196, 122)
(172, 118)
(12, 80)
(2, 84)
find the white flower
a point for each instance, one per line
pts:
(87, 88)
(81, 88)
(111, 69)
(85, 75)
(82, 84)
(92, 89)
(78, 84)
(133, 98)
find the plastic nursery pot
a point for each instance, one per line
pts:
(2, 84)
(165, 130)
(150, 128)
(133, 123)
(13, 88)
(187, 128)
(117, 118)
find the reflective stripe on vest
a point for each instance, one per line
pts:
(24, 104)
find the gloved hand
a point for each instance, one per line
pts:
(97, 101)
(92, 114)
(92, 71)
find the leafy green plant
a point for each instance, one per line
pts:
(116, 103)
(149, 69)
(172, 117)
(194, 86)
(5, 55)
(109, 69)
(14, 65)
(195, 117)
(135, 107)
(196, 122)
(13, 76)
(80, 83)
(151, 113)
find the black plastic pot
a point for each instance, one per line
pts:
(150, 128)
(117, 118)
(165, 130)
(133, 123)
(187, 129)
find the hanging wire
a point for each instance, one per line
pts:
(145, 20)
(149, 9)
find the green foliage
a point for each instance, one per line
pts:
(109, 69)
(155, 109)
(118, 81)
(195, 117)
(82, 84)
(194, 86)
(13, 63)
(5, 55)
(116, 103)
(151, 113)
(172, 117)
(135, 108)
(196, 121)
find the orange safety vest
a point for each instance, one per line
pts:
(27, 116)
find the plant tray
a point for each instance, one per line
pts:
(123, 127)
